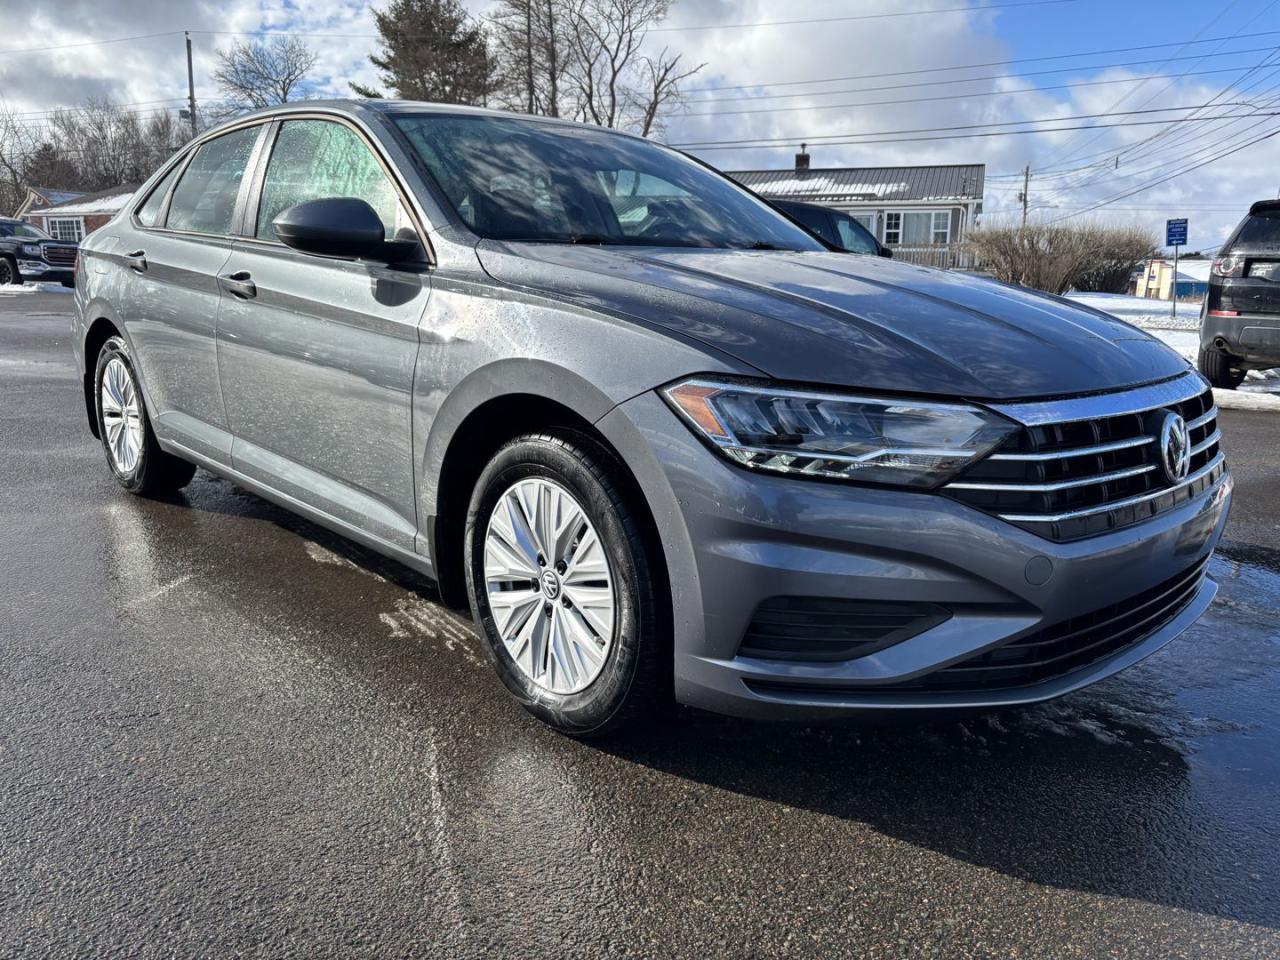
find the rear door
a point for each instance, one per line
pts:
(169, 259)
(316, 355)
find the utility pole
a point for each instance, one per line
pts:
(1025, 195)
(191, 85)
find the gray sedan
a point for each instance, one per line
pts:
(663, 442)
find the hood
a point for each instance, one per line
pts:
(848, 320)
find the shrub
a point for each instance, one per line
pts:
(1057, 257)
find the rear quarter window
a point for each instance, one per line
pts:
(204, 201)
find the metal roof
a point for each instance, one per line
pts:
(104, 201)
(962, 182)
(55, 196)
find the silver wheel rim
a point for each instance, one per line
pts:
(549, 586)
(121, 416)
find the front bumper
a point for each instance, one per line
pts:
(39, 270)
(733, 539)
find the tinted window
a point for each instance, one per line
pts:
(316, 159)
(149, 212)
(24, 230)
(514, 179)
(853, 236)
(815, 220)
(1261, 229)
(205, 199)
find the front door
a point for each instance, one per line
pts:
(316, 355)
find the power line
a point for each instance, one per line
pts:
(954, 80)
(988, 63)
(953, 96)
(1173, 176)
(818, 138)
(967, 136)
(866, 16)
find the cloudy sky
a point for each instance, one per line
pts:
(866, 70)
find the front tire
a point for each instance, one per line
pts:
(1217, 369)
(9, 272)
(561, 584)
(133, 453)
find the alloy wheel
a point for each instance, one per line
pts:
(121, 416)
(549, 585)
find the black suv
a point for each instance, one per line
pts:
(28, 253)
(838, 229)
(1240, 320)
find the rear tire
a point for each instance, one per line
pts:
(608, 684)
(133, 453)
(1217, 369)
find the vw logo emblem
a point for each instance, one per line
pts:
(550, 584)
(1175, 448)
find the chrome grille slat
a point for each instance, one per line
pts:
(1116, 505)
(1052, 487)
(1076, 452)
(1068, 475)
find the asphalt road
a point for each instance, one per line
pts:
(225, 732)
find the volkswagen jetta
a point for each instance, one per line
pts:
(663, 441)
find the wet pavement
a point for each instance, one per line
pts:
(225, 732)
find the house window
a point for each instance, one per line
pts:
(918, 227)
(66, 228)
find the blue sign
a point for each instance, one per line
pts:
(1175, 233)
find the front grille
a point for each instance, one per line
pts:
(1071, 645)
(826, 629)
(1065, 476)
(63, 256)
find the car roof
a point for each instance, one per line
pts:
(1264, 205)
(355, 108)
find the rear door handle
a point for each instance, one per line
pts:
(239, 284)
(136, 260)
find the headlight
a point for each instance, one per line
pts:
(903, 442)
(31, 249)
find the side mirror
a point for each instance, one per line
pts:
(339, 227)
(886, 252)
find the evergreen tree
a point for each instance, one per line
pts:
(431, 51)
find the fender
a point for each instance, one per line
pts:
(516, 376)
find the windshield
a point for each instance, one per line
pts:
(23, 231)
(513, 179)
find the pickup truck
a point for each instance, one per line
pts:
(28, 253)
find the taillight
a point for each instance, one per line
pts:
(1228, 267)
(1224, 313)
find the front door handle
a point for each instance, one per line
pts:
(239, 284)
(136, 260)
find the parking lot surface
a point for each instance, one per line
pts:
(226, 732)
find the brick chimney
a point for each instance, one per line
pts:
(802, 158)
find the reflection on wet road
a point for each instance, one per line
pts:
(224, 730)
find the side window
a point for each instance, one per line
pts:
(149, 212)
(853, 236)
(205, 199)
(317, 159)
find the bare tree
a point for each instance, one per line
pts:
(530, 43)
(18, 140)
(586, 59)
(262, 74)
(661, 91)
